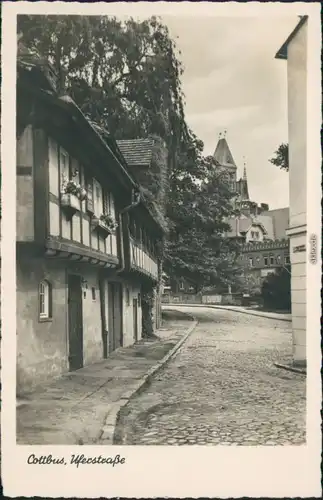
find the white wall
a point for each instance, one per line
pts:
(297, 131)
(25, 187)
(297, 126)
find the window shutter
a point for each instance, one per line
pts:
(89, 201)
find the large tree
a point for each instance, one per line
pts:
(126, 77)
(197, 247)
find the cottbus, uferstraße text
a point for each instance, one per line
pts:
(75, 460)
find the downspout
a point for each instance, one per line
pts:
(124, 233)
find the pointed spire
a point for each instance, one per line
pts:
(222, 153)
(244, 186)
(244, 169)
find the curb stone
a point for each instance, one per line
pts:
(290, 368)
(228, 308)
(111, 420)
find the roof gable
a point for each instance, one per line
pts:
(282, 52)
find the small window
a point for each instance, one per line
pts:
(266, 261)
(181, 285)
(250, 261)
(287, 259)
(45, 300)
(272, 260)
(127, 297)
(93, 293)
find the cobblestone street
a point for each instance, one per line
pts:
(222, 388)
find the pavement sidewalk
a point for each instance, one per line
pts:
(82, 407)
(245, 310)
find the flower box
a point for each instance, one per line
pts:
(99, 225)
(105, 223)
(70, 203)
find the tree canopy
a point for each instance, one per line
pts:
(280, 158)
(125, 75)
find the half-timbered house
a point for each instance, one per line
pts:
(86, 243)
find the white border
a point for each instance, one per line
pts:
(160, 471)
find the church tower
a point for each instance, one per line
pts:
(224, 159)
(243, 200)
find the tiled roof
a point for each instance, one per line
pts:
(136, 152)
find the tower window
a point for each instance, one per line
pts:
(266, 261)
(272, 260)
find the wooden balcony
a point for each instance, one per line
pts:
(141, 261)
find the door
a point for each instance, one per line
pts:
(115, 316)
(135, 319)
(104, 300)
(111, 319)
(75, 322)
(118, 316)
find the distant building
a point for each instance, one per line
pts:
(294, 51)
(262, 232)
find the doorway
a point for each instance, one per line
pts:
(115, 315)
(75, 322)
(135, 319)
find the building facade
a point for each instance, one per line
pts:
(81, 265)
(294, 51)
(258, 259)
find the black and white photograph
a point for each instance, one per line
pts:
(166, 232)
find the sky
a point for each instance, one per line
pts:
(233, 82)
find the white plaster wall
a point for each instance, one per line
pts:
(92, 329)
(297, 131)
(54, 184)
(297, 126)
(25, 188)
(298, 294)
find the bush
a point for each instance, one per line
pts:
(276, 290)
